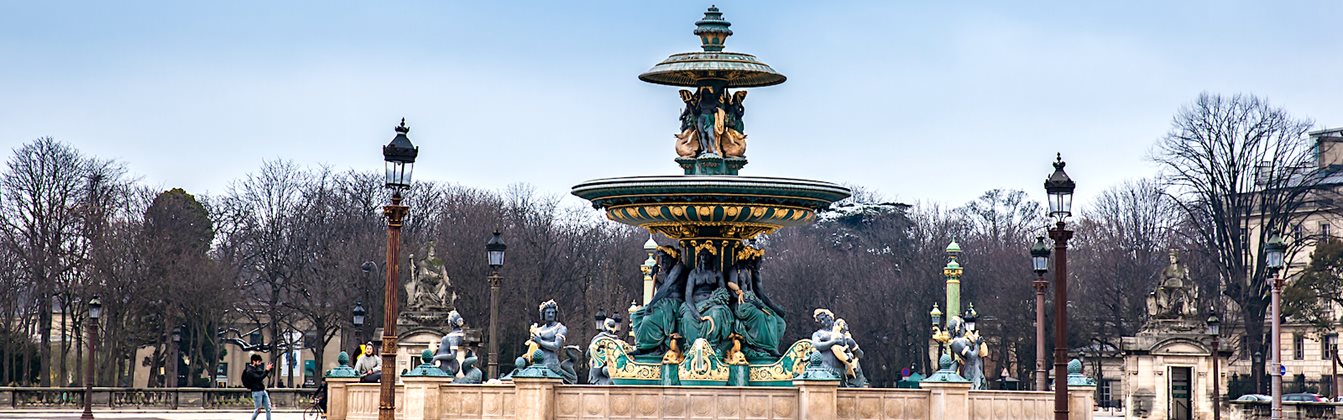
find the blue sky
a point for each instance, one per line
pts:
(923, 101)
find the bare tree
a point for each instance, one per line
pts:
(1241, 170)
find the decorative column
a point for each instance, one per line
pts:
(953, 273)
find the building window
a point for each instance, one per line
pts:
(1296, 232)
(254, 338)
(1326, 351)
(1324, 231)
(1298, 347)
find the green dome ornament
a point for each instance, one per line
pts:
(427, 369)
(343, 370)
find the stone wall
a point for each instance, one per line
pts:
(439, 399)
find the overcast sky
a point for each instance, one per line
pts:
(923, 101)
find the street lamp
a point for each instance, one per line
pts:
(358, 320)
(399, 158)
(599, 321)
(1214, 330)
(939, 334)
(494, 254)
(1273, 258)
(1040, 264)
(174, 356)
(95, 312)
(1060, 187)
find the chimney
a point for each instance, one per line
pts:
(1329, 147)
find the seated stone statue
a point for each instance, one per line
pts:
(706, 313)
(546, 342)
(654, 324)
(451, 352)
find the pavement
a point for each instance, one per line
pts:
(146, 415)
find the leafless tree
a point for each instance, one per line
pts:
(1241, 170)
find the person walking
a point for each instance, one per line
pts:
(254, 378)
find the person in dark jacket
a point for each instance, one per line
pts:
(254, 378)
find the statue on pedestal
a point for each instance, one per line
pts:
(1176, 297)
(429, 284)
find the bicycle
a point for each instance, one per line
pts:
(318, 409)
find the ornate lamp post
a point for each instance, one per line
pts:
(940, 335)
(358, 320)
(1214, 329)
(399, 156)
(95, 312)
(1040, 264)
(1273, 256)
(599, 320)
(494, 252)
(1060, 190)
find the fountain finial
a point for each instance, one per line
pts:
(713, 30)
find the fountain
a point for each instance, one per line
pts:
(710, 321)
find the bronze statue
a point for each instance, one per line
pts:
(599, 373)
(451, 351)
(732, 140)
(759, 321)
(655, 324)
(706, 314)
(546, 342)
(711, 123)
(687, 141)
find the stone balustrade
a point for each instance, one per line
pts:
(426, 398)
(150, 398)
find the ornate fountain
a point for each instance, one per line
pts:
(711, 321)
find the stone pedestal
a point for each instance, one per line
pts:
(816, 399)
(338, 397)
(421, 397)
(535, 398)
(1081, 402)
(948, 400)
